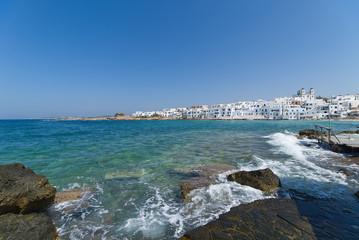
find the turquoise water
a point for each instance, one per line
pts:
(134, 169)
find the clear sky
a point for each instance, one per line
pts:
(93, 58)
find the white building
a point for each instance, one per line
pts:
(303, 105)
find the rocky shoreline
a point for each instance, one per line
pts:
(24, 199)
(299, 217)
(25, 196)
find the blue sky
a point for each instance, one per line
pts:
(93, 58)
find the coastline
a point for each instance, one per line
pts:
(115, 160)
(130, 118)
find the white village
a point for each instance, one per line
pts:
(303, 105)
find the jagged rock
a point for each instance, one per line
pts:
(264, 179)
(262, 219)
(22, 190)
(69, 195)
(31, 226)
(204, 176)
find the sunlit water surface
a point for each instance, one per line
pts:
(134, 169)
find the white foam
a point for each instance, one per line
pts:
(300, 168)
(161, 214)
(156, 215)
(89, 212)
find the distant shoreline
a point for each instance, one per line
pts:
(130, 118)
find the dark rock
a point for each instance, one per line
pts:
(310, 133)
(331, 218)
(349, 132)
(357, 194)
(262, 219)
(22, 190)
(205, 176)
(31, 226)
(264, 179)
(295, 194)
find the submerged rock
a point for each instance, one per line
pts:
(357, 194)
(262, 219)
(31, 226)
(204, 176)
(264, 179)
(341, 170)
(137, 173)
(23, 191)
(69, 195)
(188, 185)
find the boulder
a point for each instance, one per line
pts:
(263, 179)
(262, 219)
(202, 176)
(31, 226)
(23, 191)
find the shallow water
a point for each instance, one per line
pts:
(133, 169)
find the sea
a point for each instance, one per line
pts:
(133, 170)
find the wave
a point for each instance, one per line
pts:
(303, 168)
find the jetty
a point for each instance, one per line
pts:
(344, 142)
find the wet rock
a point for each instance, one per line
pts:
(31, 226)
(22, 190)
(357, 194)
(209, 171)
(69, 195)
(263, 179)
(262, 219)
(188, 185)
(309, 144)
(295, 194)
(310, 133)
(203, 171)
(331, 218)
(349, 132)
(204, 176)
(299, 137)
(341, 170)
